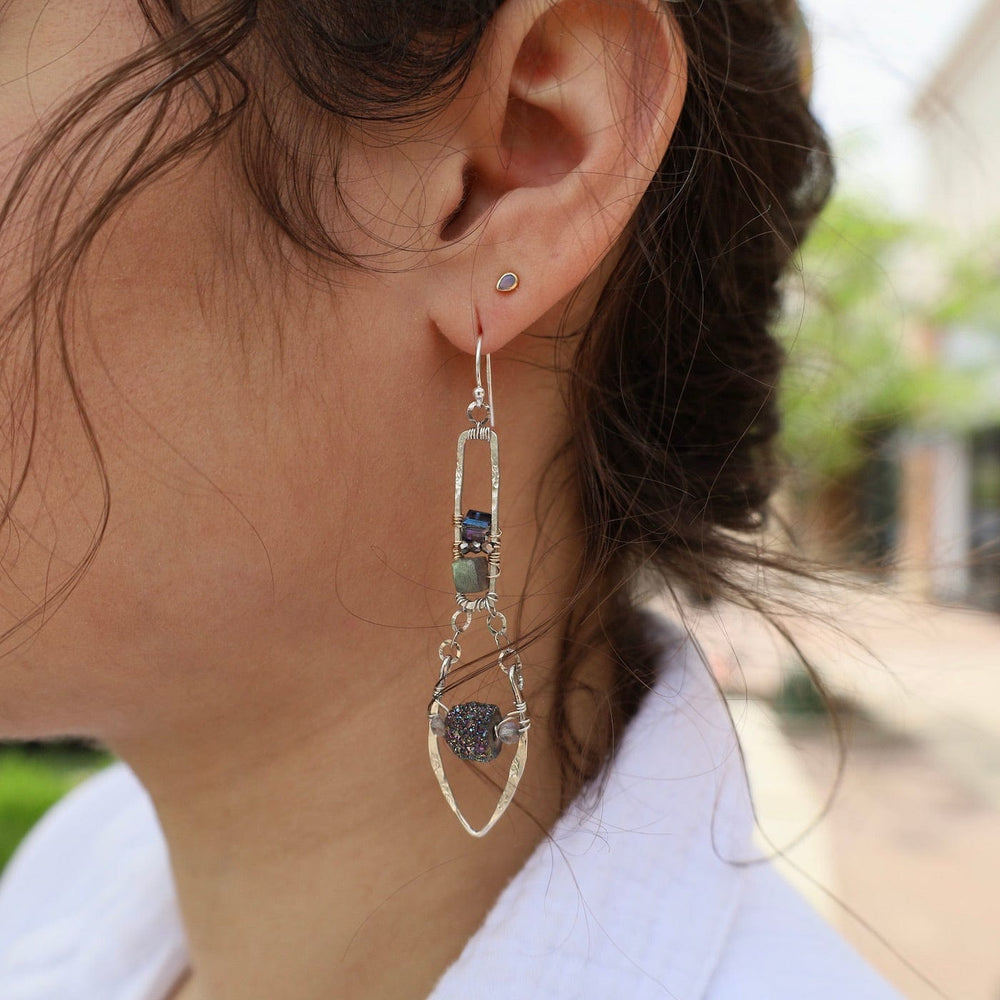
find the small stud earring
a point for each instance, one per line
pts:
(508, 282)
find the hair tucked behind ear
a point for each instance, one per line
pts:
(672, 393)
(671, 388)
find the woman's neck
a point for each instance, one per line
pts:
(323, 861)
(313, 852)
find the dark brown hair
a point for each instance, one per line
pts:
(671, 391)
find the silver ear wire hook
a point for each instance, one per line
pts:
(489, 379)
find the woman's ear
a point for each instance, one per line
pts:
(562, 126)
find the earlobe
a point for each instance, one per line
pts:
(578, 103)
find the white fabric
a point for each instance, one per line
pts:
(634, 895)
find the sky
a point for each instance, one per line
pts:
(871, 58)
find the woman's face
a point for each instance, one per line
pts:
(247, 477)
(279, 447)
(272, 447)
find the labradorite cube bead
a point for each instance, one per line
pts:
(472, 574)
(470, 730)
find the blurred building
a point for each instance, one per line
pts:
(958, 114)
(949, 535)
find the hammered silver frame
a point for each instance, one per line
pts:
(450, 650)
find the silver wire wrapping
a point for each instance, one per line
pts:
(515, 722)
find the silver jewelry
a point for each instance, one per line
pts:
(472, 730)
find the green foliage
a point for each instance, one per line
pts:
(853, 336)
(843, 330)
(31, 780)
(798, 694)
(971, 296)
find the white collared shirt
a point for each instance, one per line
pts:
(641, 892)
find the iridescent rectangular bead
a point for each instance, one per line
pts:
(471, 574)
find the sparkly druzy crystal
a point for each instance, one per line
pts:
(476, 526)
(470, 731)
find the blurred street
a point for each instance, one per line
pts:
(911, 843)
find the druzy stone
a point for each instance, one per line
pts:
(470, 731)
(471, 574)
(476, 526)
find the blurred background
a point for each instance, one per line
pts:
(893, 438)
(891, 828)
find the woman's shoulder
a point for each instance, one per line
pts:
(648, 891)
(780, 948)
(86, 903)
(95, 816)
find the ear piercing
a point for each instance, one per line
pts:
(508, 282)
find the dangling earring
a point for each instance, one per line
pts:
(473, 730)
